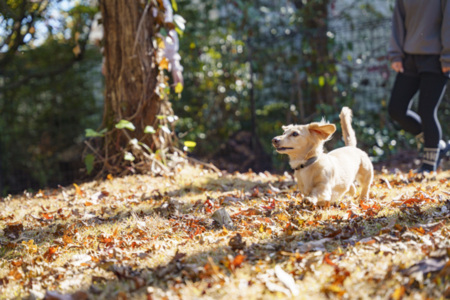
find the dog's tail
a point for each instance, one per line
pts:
(348, 133)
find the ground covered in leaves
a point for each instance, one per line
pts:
(200, 234)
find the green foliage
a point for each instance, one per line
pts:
(48, 94)
(276, 54)
(149, 129)
(128, 156)
(124, 124)
(89, 163)
(92, 133)
(47, 117)
(236, 52)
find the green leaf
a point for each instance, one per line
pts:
(128, 156)
(174, 5)
(190, 144)
(92, 133)
(163, 32)
(149, 129)
(321, 81)
(125, 124)
(179, 31)
(333, 80)
(89, 163)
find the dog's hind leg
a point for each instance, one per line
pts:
(352, 189)
(365, 177)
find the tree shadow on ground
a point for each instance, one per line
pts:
(334, 233)
(381, 233)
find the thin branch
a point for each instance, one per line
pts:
(141, 22)
(198, 162)
(94, 150)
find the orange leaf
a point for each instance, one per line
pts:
(327, 259)
(398, 293)
(238, 260)
(17, 263)
(16, 274)
(225, 231)
(351, 214)
(419, 230)
(334, 288)
(78, 191)
(370, 242)
(363, 206)
(398, 227)
(49, 255)
(67, 239)
(289, 229)
(47, 216)
(115, 231)
(246, 233)
(164, 64)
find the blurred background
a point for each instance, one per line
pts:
(249, 68)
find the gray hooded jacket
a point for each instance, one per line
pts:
(421, 27)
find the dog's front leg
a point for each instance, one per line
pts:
(320, 195)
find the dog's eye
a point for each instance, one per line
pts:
(295, 133)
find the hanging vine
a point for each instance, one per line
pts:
(140, 47)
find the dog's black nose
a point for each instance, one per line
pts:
(275, 141)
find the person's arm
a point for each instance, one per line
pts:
(445, 36)
(397, 36)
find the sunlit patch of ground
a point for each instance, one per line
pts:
(142, 237)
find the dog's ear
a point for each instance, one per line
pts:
(323, 130)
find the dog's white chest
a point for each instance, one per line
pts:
(304, 181)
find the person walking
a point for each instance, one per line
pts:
(419, 51)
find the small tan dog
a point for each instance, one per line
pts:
(324, 178)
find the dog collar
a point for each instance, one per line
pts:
(307, 163)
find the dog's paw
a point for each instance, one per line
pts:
(323, 203)
(310, 201)
(313, 201)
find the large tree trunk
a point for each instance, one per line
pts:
(132, 78)
(321, 68)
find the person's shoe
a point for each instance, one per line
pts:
(425, 168)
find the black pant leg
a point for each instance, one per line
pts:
(405, 87)
(432, 90)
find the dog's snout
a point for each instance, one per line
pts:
(275, 141)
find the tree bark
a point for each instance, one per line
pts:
(321, 65)
(131, 78)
